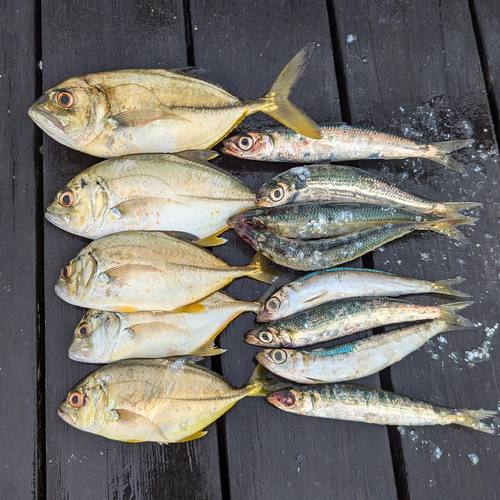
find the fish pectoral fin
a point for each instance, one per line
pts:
(129, 271)
(198, 156)
(316, 297)
(130, 207)
(150, 328)
(137, 423)
(137, 117)
(196, 435)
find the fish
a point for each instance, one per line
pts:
(320, 287)
(148, 271)
(338, 142)
(159, 400)
(356, 359)
(135, 111)
(340, 183)
(312, 255)
(360, 403)
(307, 221)
(151, 192)
(104, 336)
(342, 318)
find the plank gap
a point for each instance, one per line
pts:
(188, 28)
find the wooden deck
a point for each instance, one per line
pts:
(426, 69)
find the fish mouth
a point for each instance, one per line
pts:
(251, 338)
(39, 116)
(263, 358)
(67, 418)
(283, 398)
(56, 219)
(78, 355)
(245, 232)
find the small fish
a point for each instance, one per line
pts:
(340, 183)
(103, 337)
(308, 221)
(148, 271)
(158, 111)
(342, 318)
(151, 192)
(311, 255)
(357, 359)
(159, 400)
(375, 406)
(338, 143)
(320, 287)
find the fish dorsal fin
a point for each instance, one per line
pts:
(129, 271)
(196, 435)
(138, 117)
(198, 156)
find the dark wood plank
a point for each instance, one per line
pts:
(271, 454)
(81, 38)
(18, 266)
(414, 69)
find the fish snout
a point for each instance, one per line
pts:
(284, 398)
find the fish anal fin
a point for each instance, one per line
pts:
(196, 435)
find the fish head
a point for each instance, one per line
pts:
(282, 189)
(86, 404)
(278, 361)
(252, 146)
(76, 278)
(281, 304)
(286, 399)
(256, 218)
(72, 112)
(80, 206)
(95, 337)
(266, 336)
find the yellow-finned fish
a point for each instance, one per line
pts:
(151, 192)
(158, 111)
(104, 336)
(148, 271)
(161, 400)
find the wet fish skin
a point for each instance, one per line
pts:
(103, 337)
(324, 220)
(312, 255)
(125, 112)
(339, 319)
(159, 400)
(341, 183)
(338, 143)
(148, 271)
(151, 192)
(320, 287)
(356, 359)
(370, 405)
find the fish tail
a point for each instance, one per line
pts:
(261, 268)
(473, 419)
(445, 287)
(452, 209)
(447, 227)
(275, 102)
(438, 152)
(259, 384)
(448, 314)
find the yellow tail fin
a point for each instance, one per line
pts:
(260, 268)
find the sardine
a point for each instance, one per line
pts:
(311, 255)
(158, 111)
(375, 406)
(357, 359)
(338, 143)
(161, 400)
(320, 287)
(151, 192)
(342, 318)
(148, 271)
(346, 184)
(103, 337)
(308, 221)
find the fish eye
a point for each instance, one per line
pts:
(76, 399)
(66, 199)
(64, 99)
(245, 142)
(273, 304)
(83, 330)
(265, 337)
(277, 194)
(66, 272)
(278, 356)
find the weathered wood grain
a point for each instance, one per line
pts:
(18, 263)
(414, 69)
(272, 454)
(79, 38)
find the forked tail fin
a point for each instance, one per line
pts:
(447, 227)
(261, 386)
(473, 419)
(439, 153)
(448, 314)
(445, 287)
(261, 268)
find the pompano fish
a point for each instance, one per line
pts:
(308, 221)
(375, 406)
(357, 359)
(338, 143)
(160, 400)
(103, 337)
(148, 271)
(311, 255)
(320, 287)
(345, 184)
(153, 192)
(158, 111)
